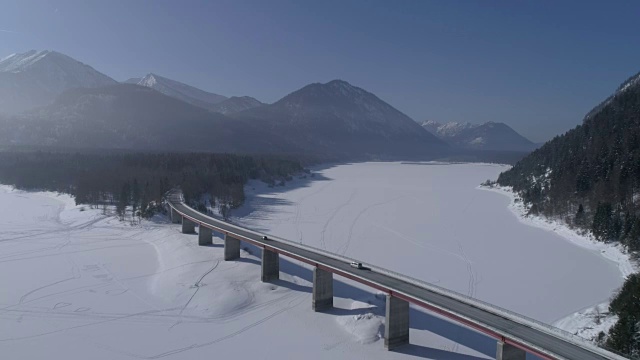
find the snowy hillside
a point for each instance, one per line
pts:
(35, 78)
(181, 91)
(487, 136)
(86, 286)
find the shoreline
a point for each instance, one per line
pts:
(582, 322)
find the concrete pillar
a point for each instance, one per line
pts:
(322, 298)
(509, 352)
(175, 217)
(188, 226)
(205, 235)
(396, 326)
(231, 248)
(270, 265)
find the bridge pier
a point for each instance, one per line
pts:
(231, 248)
(175, 217)
(322, 298)
(509, 352)
(396, 325)
(270, 265)
(205, 235)
(188, 226)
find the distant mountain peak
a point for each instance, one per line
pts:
(34, 78)
(340, 84)
(20, 62)
(149, 80)
(339, 118)
(181, 91)
(490, 135)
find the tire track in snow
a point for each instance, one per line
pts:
(296, 220)
(345, 247)
(197, 287)
(333, 215)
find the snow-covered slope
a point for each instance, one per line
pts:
(487, 136)
(236, 104)
(181, 91)
(35, 78)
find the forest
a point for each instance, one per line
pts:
(138, 181)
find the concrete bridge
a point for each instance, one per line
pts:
(516, 335)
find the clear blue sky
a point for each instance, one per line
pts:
(538, 66)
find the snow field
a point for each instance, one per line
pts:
(78, 284)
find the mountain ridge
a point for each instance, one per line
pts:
(490, 135)
(35, 78)
(339, 118)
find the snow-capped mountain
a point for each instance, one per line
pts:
(487, 136)
(340, 119)
(236, 104)
(35, 78)
(181, 91)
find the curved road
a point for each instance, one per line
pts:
(503, 327)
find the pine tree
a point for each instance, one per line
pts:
(123, 201)
(580, 216)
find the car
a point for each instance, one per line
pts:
(265, 238)
(357, 265)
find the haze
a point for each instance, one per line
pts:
(538, 67)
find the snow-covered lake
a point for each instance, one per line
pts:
(431, 221)
(76, 284)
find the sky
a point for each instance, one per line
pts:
(538, 66)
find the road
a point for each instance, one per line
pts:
(505, 327)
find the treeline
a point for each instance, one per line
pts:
(590, 178)
(624, 336)
(139, 181)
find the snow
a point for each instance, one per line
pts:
(592, 319)
(478, 141)
(82, 285)
(179, 90)
(18, 62)
(432, 222)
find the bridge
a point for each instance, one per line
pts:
(516, 335)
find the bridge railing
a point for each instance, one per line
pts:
(508, 314)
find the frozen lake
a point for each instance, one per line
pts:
(77, 284)
(430, 221)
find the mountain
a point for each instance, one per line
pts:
(343, 120)
(236, 104)
(331, 121)
(178, 90)
(488, 136)
(126, 116)
(590, 178)
(35, 78)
